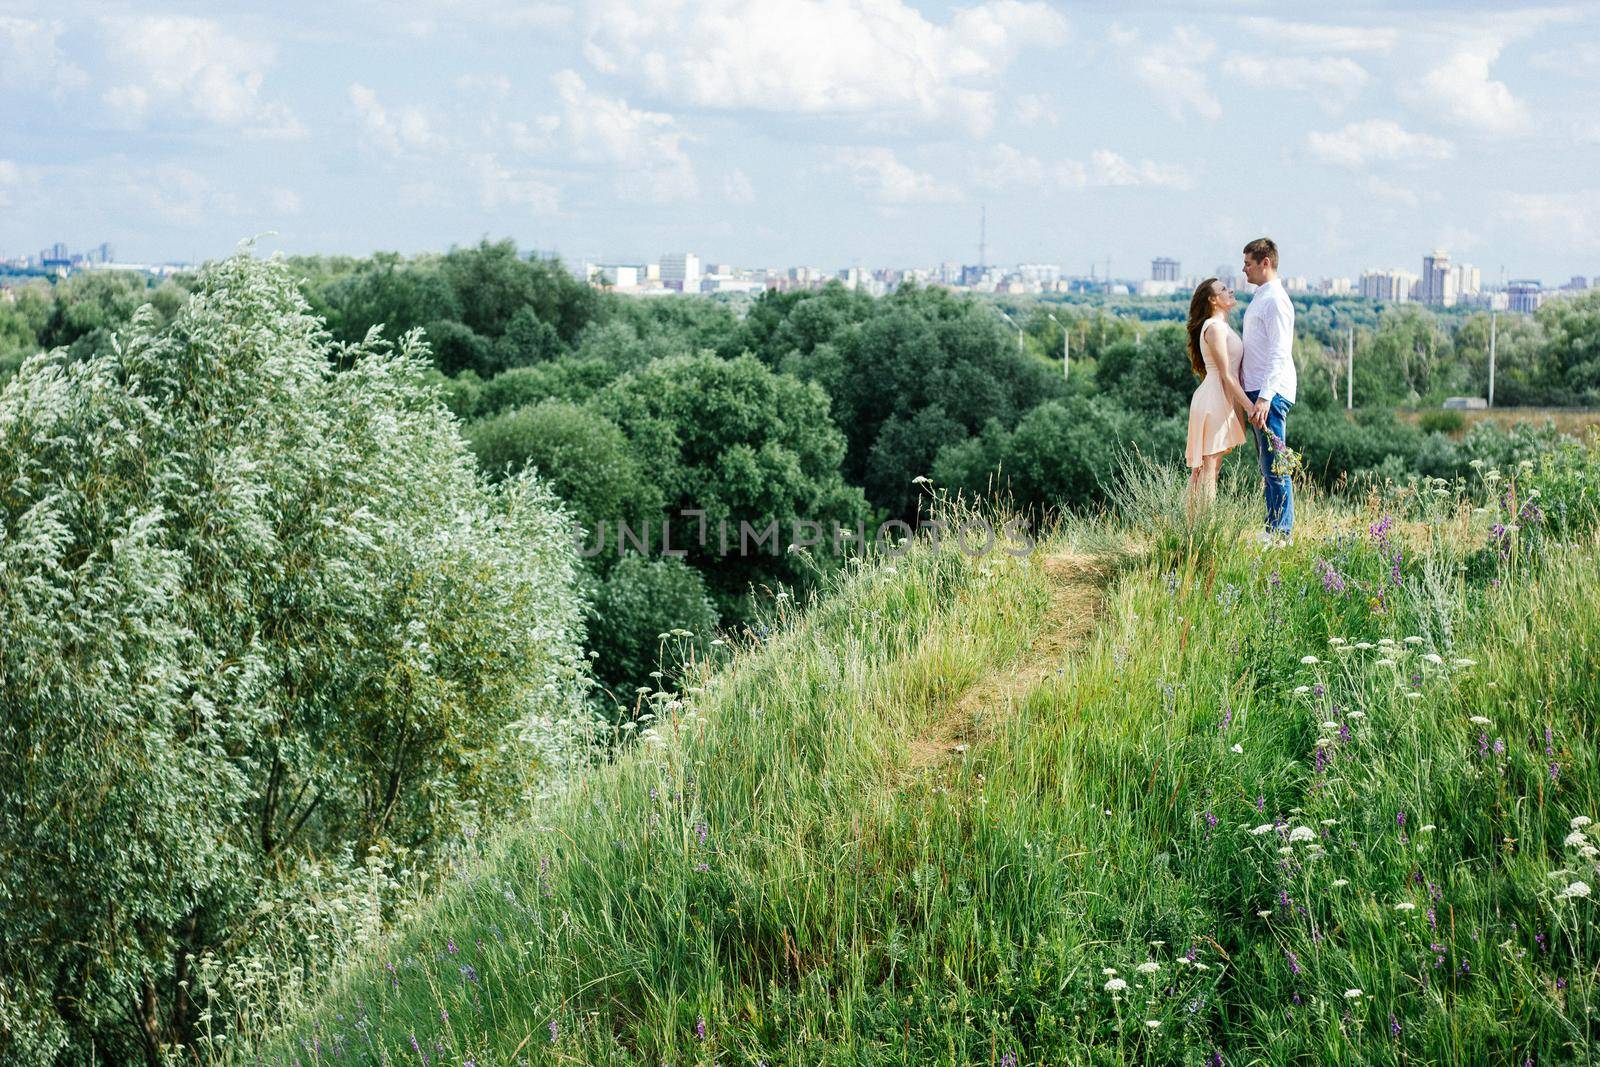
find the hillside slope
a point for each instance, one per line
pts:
(1327, 804)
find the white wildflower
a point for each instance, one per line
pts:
(1385, 642)
(1309, 660)
(1405, 905)
(1383, 663)
(1302, 690)
(1340, 883)
(1427, 828)
(1363, 645)
(1330, 725)
(1479, 720)
(1330, 822)
(1302, 833)
(1589, 852)
(1575, 839)
(1264, 914)
(1154, 1024)
(1116, 985)
(1580, 821)
(1413, 695)
(1286, 850)
(1336, 641)
(1462, 661)
(1264, 828)
(1413, 640)
(1575, 890)
(1108, 970)
(1237, 749)
(1352, 994)
(1435, 659)
(1358, 714)
(1148, 967)
(1199, 966)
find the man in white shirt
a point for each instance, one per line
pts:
(1267, 375)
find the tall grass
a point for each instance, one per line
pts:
(1319, 804)
(1152, 498)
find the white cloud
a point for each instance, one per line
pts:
(849, 57)
(182, 196)
(10, 176)
(1461, 91)
(1005, 167)
(397, 132)
(1332, 80)
(1284, 35)
(1362, 144)
(1566, 221)
(1175, 73)
(1031, 109)
(284, 201)
(736, 187)
(1391, 192)
(192, 66)
(882, 178)
(643, 147)
(502, 185)
(30, 58)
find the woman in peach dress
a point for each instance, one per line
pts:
(1216, 425)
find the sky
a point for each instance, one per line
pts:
(823, 132)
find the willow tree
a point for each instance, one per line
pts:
(257, 617)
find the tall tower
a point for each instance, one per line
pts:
(983, 236)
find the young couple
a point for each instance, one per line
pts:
(1249, 379)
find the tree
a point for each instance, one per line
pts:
(1572, 326)
(744, 445)
(1152, 374)
(634, 604)
(255, 616)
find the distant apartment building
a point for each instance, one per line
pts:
(1389, 286)
(681, 271)
(621, 277)
(1164, 269)
(1468, 280)
(1578, 283)
(1336, 286)
(1438, 288)
(1524, 295)
(1042, 275)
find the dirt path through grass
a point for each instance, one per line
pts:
(1077, 602)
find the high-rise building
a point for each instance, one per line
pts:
(1438, 282)
(1524, 295)
(681, 270)
(1389, 286)
(1164, 270)
(1468, 280)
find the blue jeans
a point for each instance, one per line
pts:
(1279, 491)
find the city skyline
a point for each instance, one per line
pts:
(836, 132)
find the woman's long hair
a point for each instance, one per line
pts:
(1199, 312)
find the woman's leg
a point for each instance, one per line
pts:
(1191, 496)
(1209, 469)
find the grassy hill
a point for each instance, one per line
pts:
(1153, 794)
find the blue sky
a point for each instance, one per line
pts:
(827, 132)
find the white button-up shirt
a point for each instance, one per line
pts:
(1268, 363)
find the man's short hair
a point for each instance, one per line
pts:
(1263, 248)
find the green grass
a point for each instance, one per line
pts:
(765, 879)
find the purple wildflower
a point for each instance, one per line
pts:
(1394, 1026)
(700, 1028)
(555, 1031)
(1294, 964)
(1008, 1060)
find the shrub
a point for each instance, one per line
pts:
(1442, 421)
(583, 456)
(638, 601)
(260, 622)
(562, 379)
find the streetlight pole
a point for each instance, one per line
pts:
(1492, 331)
(1066, 346)
(1350, 370)
(1008, 318)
